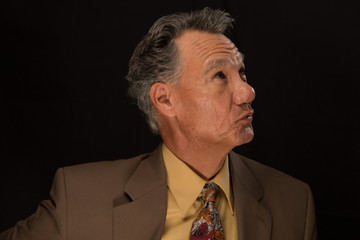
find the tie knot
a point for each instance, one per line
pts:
(209, 192)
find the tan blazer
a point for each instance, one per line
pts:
(127, 200)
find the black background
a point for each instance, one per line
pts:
(63, 94)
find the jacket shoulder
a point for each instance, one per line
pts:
(97, 169)
(100, 175)
(276, 186)
(270, 176)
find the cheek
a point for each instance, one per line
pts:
(191, 110)
(212, 113)
(207, 108)
(222, 107)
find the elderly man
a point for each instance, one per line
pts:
(189, 80)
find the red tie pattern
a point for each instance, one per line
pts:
(207, 225)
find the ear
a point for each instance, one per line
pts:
(161, 98)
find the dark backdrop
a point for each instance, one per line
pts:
(63, 94)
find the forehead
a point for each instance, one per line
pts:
(207, 49)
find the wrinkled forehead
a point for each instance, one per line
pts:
(208, 48)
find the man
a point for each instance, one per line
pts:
(189, 80)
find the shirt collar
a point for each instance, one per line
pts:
(186, 185)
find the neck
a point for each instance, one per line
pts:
(203, 159)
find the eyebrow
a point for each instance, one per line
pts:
(218, 63)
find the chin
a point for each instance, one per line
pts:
(249, 139)
(245, 136)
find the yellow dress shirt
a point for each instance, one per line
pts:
(184, 202)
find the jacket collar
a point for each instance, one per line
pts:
(144, 216)
(253, 219)
(149, 175)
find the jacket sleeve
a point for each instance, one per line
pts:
(310, 225)
(49, 220)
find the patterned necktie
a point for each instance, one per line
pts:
(207, 224)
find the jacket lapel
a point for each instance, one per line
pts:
(253, 219)
(144, 216)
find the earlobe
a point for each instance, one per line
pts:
(161, 99)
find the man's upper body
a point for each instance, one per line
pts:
(188, 78)
(128, 199)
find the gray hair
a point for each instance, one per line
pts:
(156, 59)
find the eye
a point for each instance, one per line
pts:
(242, 74)
(220, 75)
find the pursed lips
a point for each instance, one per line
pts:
(247, 116)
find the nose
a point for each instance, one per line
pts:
(243, 93)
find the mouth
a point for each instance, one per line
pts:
(247, 116)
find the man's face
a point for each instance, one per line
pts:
(212, 96)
